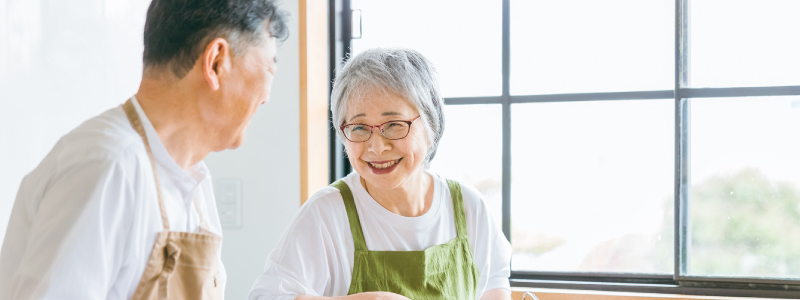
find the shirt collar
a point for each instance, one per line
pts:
(398, 221)
(186, 180)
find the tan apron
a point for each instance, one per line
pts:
(182, 265)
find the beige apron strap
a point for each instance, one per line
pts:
(203, 224)
(133, 117)
(173, 253)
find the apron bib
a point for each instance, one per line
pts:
(182, 265)
(445, 271)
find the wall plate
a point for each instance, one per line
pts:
(228, 192)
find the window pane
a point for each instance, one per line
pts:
(592, 186)
(745, 43)
(745, 193)
(471, 151)
(579, 46)
(461, 37)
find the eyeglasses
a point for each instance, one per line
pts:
(392, 130)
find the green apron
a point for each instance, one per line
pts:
(445, 271)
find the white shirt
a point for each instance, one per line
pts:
(315, 255)
(85, 220)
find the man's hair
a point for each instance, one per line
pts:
(177, 32)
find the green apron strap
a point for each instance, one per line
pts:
(458, 208)
(352, 215)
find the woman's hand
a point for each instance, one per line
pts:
(360, 296)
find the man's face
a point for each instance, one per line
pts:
(245, 89)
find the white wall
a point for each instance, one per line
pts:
(269, 165)
(62, 62)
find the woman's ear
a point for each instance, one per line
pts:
(216, 62)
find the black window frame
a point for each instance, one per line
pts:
(340, 36)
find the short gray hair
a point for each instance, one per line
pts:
(400, 71)
(176, 32)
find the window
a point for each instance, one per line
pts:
(592, 185)
(604, 119)
(469, 63)
(745, 187)
(456, 156)
(584, 46)
(744, 43)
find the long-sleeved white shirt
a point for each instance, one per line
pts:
(85, 220)
(315, 255)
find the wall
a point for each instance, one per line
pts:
(269, 165)
(62, 62)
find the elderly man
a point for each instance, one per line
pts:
(122, 207)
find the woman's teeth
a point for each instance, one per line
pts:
(384, 165)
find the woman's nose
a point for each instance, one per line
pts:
(378, 143)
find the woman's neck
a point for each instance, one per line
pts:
(413, 198)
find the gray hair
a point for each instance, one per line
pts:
(400, 71)
(176, 32)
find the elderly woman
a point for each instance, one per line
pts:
(391, 229)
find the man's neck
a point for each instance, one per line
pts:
(172, 109)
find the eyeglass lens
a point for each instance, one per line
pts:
(390, 130)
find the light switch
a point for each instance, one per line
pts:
(228, 192)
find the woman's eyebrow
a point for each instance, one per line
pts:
(357, 116)
(388, 113)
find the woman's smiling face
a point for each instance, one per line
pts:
(386, 164)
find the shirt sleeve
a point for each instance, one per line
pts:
(78, 234)
(309, 260)
(491, 249)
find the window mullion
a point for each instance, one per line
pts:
(506, 102)
(682, 226)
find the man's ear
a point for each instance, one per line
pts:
(216, 62)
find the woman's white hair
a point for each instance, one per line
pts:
(400, 71)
